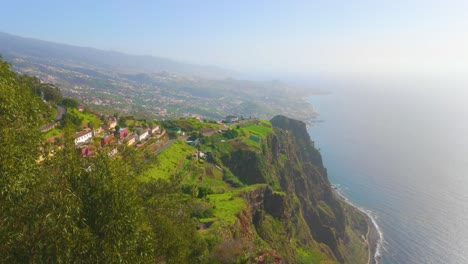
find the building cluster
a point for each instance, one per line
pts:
(89, 140)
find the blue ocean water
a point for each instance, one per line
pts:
(400, 150)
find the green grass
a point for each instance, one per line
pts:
(85, 117)
(192, 124)
(252, 134)
(223, 147)
(205, 176)
(265, 122)
(311, 256)
(260, 128)
(170, 161)
(53, 132)
(229, 204)
(52, 113)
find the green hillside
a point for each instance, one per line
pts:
(254, 191)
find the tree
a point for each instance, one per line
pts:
(67, 209)
(70, 102)
(173, 134)
(176, 239)
(39, 215)
(230, 134)
(122, 121)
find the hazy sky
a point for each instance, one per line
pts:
(303, 37)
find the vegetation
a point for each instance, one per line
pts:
(256, 192)
(70, 209)
(170, 161)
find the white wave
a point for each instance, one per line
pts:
(372, 217)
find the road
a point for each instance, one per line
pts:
(60, 112)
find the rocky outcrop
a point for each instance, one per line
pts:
(303, 207)
(264, 199)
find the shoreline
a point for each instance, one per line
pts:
(374, 237)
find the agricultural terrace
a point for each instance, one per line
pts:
(193, 124)
(251, 134)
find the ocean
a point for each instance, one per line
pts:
(400, 150)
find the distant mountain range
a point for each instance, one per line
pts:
(40, 51)
(150, 87)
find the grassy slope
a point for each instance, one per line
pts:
(170, 161)
(85, 117)
(226, 203)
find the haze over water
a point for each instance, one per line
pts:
(400, 149)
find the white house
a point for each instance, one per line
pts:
(131, 139)
(112, 123)
(154, 129)
(143, 135)
(83, 136)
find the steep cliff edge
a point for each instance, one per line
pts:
(290, 214)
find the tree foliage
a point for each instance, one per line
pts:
(47, 91)
(230, 134)
(56, 206)
(70, 102)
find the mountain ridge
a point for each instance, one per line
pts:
(13, 46)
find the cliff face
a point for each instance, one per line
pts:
(296, 212)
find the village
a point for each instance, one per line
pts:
(95, 132)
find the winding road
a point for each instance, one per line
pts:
(60, 112)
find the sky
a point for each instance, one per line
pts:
(292, 37)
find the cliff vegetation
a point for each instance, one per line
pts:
(255, 191)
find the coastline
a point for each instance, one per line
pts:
(374, 237)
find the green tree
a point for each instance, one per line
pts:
(38, 212)
(70, 102)
(175, 237)
(122, 121)
(173, 134)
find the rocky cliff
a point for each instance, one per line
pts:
(292, 215)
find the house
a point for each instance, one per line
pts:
(80, 108)
(83, 136)
(112, 123)
(112, 152)
(144, 134)
(154, 129)
(107, 139)
(85, 150)
(132, 139)
(123, 132)
(98, 131)
(231, 119)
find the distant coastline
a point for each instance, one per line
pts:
(374, 235)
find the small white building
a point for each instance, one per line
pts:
(154, 129)
(132, 139)
(112, 124)
(83, 136)
(144, 134)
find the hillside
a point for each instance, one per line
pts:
(57, 53)
(263, 193)
(253, 191)
(149, 87)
